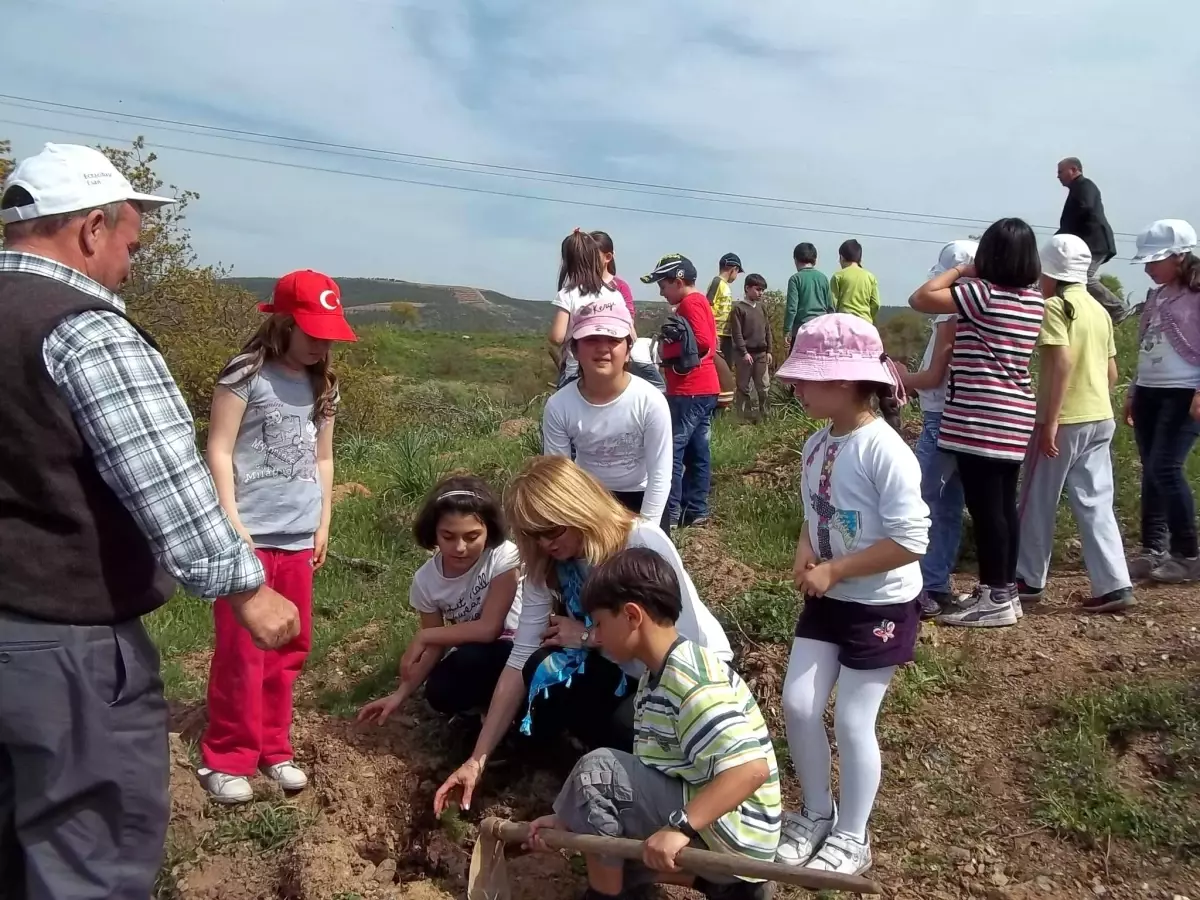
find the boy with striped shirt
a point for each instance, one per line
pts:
(703, 769)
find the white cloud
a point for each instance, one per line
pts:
(933, 106)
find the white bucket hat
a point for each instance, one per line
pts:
(67, 178)
(1166, 237)
(1066, 258)
(955, 253)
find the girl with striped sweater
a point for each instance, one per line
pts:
(990, 406)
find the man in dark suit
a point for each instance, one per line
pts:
(1083, 216)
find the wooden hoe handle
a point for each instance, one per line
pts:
(704, 862)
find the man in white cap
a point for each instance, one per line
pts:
(101, 489)
(1083, 216)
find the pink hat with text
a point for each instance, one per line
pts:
(838, 347)
(607, 317)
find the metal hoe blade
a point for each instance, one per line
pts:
(488, 879)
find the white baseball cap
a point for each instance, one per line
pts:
(955, 253)
(66, 178)
(1066, 258)
(1166, 237)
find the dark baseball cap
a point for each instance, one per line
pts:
(729, 260)
(670, 267)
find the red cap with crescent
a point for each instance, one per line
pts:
(314, 301)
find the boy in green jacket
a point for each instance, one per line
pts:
(855, 290)
(807, 292)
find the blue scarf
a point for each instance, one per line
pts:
(561, 665)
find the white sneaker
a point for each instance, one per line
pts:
(801, 835)
(287, 775)
(228, 789)
(842, 854)
(1018, 610)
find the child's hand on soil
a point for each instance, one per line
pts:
(817, 580)
(534, 841)
(662, 847)
(379, 710)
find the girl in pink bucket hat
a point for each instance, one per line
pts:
(865, 529)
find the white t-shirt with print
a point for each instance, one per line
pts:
(571, 301)
(625, 443)
(696, 622)
(1159, 364)
(933, 400)
(461, 599)
(859, 489)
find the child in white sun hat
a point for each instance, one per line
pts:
(1163, 403)
(1071, 445)
(856, 565)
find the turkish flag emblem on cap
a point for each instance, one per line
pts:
(315, 302)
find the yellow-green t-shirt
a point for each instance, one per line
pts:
(1089, 337)
(855, 292)
(721, 298)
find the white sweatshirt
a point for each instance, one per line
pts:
(625, 443)
(696, 622)
(873, 493)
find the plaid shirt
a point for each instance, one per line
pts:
(130, 412)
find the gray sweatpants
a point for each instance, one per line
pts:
(1115, 306)
(1084, 468)
(83, 761)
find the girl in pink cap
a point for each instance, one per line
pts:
(865, 529)
(270, 448)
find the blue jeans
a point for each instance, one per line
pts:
(691, 475)
(942, 491)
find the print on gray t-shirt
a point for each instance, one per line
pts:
(275, 459)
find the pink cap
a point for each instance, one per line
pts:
(837, 347)
(608, 317)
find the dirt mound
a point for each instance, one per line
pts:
(349, 489)
(514, 428)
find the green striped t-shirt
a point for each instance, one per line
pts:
(697, 719)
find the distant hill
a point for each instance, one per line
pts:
(452, 308)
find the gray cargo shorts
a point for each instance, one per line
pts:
(614, 794)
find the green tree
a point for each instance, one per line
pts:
(904, 335)
(1113, 283)
(407, 314)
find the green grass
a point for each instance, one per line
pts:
(266, 825)
(767, 612)
(935, 670)
(1124, 763)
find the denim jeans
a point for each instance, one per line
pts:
(691, 475)
(1165, 432)
(941, 489)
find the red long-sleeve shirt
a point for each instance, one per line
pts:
(701, 381)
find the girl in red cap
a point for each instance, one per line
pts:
(270, 448)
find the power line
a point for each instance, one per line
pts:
(506, 171)
(475, 190)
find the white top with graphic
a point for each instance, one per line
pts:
(859, 489)
(625, 443)
(696, 622)
(461, 599)
(1159, 365)
(275, 477)
(933, 400)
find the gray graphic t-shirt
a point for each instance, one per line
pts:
(275, 459)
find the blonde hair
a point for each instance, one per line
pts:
(552, 492)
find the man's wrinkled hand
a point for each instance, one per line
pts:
(271, 618)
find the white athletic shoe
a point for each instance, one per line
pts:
(287, 775)
(801, 835)
(228, 789)
(842, 854)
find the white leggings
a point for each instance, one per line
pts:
(812, 672)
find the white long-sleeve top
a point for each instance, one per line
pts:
(859, 489)
(696, 622)
(625, 443)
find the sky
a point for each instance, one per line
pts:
(937, 108)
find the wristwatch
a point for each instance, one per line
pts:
(583, 638)
(679, 821)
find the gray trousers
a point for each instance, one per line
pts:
(84, 762)
(1084, 468)
(1115, 306)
